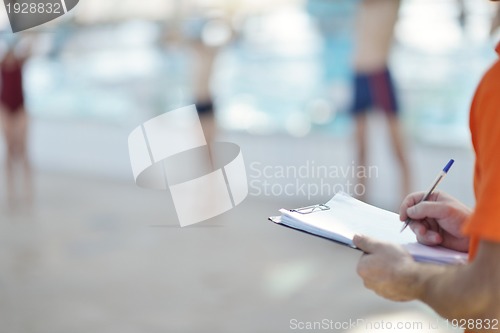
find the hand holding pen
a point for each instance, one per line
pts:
(439, 178)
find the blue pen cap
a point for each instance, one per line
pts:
(448, 166)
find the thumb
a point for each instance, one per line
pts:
(366, 244)
(426, 209)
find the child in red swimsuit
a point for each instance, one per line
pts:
(14, 122)
(11, 93)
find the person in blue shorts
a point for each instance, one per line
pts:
(373, 85)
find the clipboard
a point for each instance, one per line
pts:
(343, 217)
(306, 211)
(302, 210)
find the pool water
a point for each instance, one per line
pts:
(288, 71)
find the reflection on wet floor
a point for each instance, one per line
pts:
(89, 261)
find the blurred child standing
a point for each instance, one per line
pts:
(14, 124)
(373, 83)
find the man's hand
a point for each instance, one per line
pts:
(437, 221)
(387, 269)
(454, 291)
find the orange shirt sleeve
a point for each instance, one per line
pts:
(484, 223)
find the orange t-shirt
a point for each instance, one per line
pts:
(484, 222)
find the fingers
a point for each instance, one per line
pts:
(409, 201)
(428, 209)
(425, 235)
(366, 244)
(415, 198)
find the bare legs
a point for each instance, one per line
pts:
(361, 130)
(210, 129)
(397, 146)
(15, 129)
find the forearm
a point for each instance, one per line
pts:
(464, 291)
(449, 291)
(455, 292)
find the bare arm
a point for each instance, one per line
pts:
(469, 291)
(455, 292)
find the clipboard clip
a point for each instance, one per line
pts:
(310, 209)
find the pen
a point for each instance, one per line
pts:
(439, 178)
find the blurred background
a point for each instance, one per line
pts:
(93, 252)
